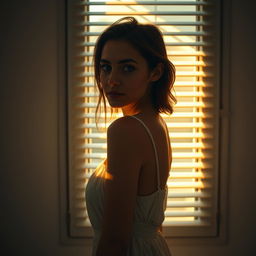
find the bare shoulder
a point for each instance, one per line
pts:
(125, 122)
(124, 128)
(124, 145)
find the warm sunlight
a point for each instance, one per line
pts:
(101, 171)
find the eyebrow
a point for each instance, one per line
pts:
(120, 62)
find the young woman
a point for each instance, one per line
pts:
(126, 195)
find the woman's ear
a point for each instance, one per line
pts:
(157, 72)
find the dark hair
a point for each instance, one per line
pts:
(147, 39)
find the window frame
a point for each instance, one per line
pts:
(224, 42)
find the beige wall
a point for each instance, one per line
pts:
(29, 195)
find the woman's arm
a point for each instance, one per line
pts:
(124, 158)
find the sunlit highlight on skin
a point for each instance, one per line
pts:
(101, 171)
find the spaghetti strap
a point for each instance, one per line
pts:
(156, 155)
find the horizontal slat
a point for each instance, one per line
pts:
(180, 145)
(188, 43)
(187, 214)
(183, 155)
(175, 63)
(174, 33)
(178, 73)
(194, 185)
(159, 23)
(188, 204)
(193, 94)
(170, 204)
(178, 94)
(170, 125)
(174, 115)
(193, 3)
(171, 195)
(194, 223)
(81, 213)
(176, 84)
(176, 175)
(191, 63)
(174, 165)
(188, 53)
(138, 13)
(183, 135)
(185, 175)
(171, 185)
(192, 84)
(178, 105)
(196, 194)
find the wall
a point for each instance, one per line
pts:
(29, 193)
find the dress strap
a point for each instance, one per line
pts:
(157, 164)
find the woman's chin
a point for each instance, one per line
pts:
(115, 103)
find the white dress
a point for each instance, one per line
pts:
(148, 214)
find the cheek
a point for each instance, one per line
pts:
(140, 83)
(103, 80)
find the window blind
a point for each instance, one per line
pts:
(190, 30)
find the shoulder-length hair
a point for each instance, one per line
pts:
(147, 39)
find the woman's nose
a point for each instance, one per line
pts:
(113, 79)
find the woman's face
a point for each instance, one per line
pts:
(123, 70)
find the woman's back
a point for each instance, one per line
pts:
(150, 203)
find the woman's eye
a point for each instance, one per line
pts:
(128, 68)
(105, 68)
